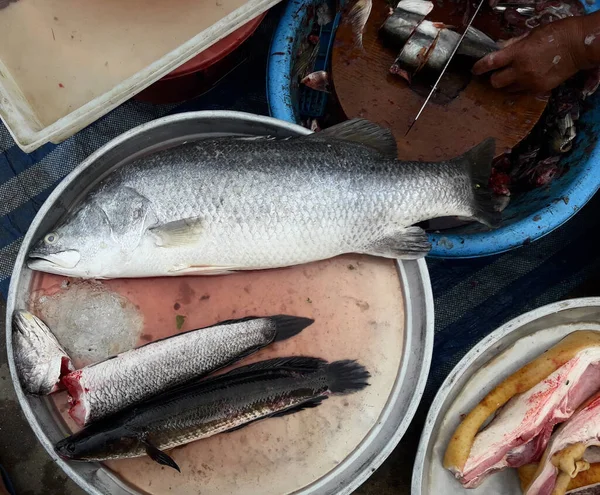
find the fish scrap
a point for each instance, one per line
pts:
(221, 205)
(266, 389)
(40, 360)
(536, 162)
(563, 135)
(319, 81)
(104, 388)
(324, 14)
(526, 15)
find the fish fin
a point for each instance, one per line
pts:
(356, 14)
(295, 362)
(309, 404)
(202, 269)
(364, 132)
(407, 243)
(159, 456)
(288, 326)
(347, 376)
(178, 233)
(239, 427)
(478, 161)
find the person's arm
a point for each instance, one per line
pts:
(545, 57)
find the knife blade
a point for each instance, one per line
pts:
(445, 67)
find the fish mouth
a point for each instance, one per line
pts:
(65, 449)
(47, 261)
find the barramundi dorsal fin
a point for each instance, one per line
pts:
(364, 132)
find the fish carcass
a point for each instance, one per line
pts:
(220, 205)
(39, 359)
(565, 455)
(540, 395)
(199, 410)
(109, 386)
(319, 81)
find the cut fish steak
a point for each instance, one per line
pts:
(403, 22)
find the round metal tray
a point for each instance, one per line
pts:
(407, 388)
(497, 356)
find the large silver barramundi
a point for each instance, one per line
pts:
(225, 204)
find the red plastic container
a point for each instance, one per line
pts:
(200, 73)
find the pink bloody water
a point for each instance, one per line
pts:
(357, 304)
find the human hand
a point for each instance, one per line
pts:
(538, 61)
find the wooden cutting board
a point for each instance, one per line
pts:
(466, 110)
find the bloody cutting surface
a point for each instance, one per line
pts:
(357, 303)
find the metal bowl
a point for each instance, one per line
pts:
(494, 358)
(418, 305)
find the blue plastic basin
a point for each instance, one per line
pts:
(528, 217)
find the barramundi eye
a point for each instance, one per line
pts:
(51, 238)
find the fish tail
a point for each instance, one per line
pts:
(478, 162)
(356, 15)
(347, 376)
(288, 326)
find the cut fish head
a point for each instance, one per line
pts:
(39, 358)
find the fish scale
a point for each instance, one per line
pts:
(227, 204)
